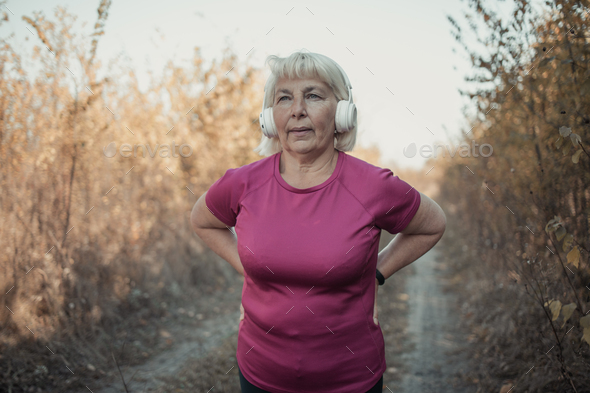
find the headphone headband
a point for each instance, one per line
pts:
(346, 81)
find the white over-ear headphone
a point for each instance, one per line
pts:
(345, 113)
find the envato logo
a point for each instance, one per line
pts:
(125, 150)
(465, 150)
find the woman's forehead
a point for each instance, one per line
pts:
(285, 83)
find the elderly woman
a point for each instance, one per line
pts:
(308, 220)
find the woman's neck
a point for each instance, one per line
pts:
(307, 167)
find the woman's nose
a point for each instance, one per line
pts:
(299, 108)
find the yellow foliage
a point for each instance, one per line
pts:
(560, 233)
(555, 307)
(67, 196)
(585, 323)
(573, 256)
(541, 130)
(567, 311)
(567, 241)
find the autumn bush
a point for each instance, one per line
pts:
(89, 240)
(518, 221)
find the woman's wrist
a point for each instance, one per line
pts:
(380, 278)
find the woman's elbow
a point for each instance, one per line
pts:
(195, 217)
(436, 223)
(444, 225)
(441, 222)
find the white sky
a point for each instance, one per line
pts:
(402, 46)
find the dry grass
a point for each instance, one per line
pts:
(88, 241)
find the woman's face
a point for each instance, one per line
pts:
(304, 103)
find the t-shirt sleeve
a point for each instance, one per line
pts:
(223, 197)
(396, 203)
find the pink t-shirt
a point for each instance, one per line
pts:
(309, 258)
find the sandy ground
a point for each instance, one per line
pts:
(439, 350)
(425, 348)
(191, 336)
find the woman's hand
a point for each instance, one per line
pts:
(375, 320)
(241, 313)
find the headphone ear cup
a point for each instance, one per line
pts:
(339, 120)
(345, 116)
(352, 115)
(267, 123)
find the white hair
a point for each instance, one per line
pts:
(305, 64)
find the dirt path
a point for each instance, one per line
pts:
(434, 328)
(191, 338)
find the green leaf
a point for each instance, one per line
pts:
(585, 322)
(560, 233)
(567, 241)
(576, 156)
(567, 312)
(573, 256)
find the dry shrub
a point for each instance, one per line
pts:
(88, 241)
(512, 256)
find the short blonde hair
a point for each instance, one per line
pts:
(305, 64)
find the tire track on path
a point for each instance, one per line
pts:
(440, 349)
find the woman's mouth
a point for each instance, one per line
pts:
(300, 132)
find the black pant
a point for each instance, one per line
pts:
(247, 387)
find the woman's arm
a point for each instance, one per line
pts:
(421, 234)
(216, 234)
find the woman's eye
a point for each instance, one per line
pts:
(280, 99)
(314, 95)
